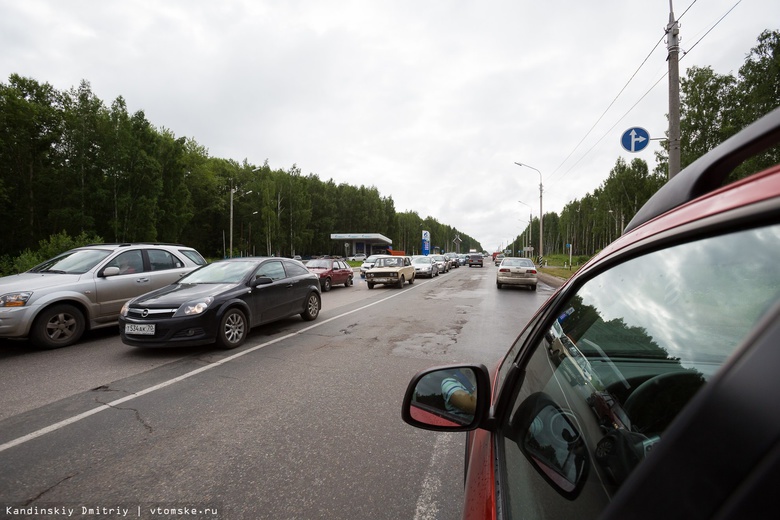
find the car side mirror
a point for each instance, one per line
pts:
(260, 280)
(451, 398)
(550, 439)
(110, 271)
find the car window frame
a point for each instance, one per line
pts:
(510, 374)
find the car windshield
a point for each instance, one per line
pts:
(318, 264)
(421, 260)
(220, 272)
(389, 262)
(72, 262)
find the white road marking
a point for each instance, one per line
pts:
(76, 418)
(427, 507)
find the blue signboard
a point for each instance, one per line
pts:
(635, 139)
(426, 242)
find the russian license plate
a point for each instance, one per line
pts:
(146, 330)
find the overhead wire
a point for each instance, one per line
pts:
(641, 98)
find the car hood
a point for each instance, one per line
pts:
(35, 281)
(177, 294)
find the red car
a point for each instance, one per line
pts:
(646, 386)
(331, 272)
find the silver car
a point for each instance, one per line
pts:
(54, 303)
(425, 266)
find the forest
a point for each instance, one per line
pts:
(74, 170)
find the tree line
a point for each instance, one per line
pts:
(75, 170)
(713, 107)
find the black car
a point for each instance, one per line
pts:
(220, 302)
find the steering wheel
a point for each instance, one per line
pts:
(657, 401)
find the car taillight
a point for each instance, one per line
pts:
(503, 270)
(531, 271)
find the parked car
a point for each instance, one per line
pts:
(475, 259)
(360, 257)
(54, 303)
(369, 263)
(516, 271)
(391, 270)
(219, 303)
(425, 266)
(498, 259)
(453, 258)
(331, 272)
(646, 386)
(442, 262)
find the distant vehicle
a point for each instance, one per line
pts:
(425, 266)
(498, 258)
(442, 262)
(331, 272)
(54, 303)
(391, 270)
(219, 303)
(368, 263)
(453, 258)
(646, 386)
(475, 259)
(516, 271)
(358, 257)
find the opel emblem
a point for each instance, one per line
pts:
(145, 313)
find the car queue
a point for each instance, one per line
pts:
(169, 295)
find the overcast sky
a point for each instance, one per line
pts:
(431, 102)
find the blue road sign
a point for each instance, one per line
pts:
(635, 139)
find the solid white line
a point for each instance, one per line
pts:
(130, 397)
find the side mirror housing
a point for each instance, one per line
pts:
(433, 398)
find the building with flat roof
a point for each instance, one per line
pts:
(366, 243)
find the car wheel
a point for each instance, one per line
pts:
(312, 307)
(411, 280)
(326, 285)
(233, 329)
(401, 282)
(348, 283)
(57, 326)
(533, 287)
(370, 285)
(498, 285)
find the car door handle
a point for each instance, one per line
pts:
(142, 280)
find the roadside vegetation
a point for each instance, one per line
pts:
(75, 169)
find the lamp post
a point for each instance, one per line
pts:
(541, 213)
(530, 221)
(232, 192)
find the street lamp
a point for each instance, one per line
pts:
(232, 192)
(541, 213)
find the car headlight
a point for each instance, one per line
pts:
(17, 299)
(194, 307)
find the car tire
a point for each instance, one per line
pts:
(57, 326)
(411, 280)
(401, 282)
(233, 329)
(498, 285)
(533, 287)
(326, 284)
(370, 285)
(312, 310)
(349, 282)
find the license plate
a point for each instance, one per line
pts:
(146, 330)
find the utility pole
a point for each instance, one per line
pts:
(673, 45)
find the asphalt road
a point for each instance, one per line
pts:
(303, 421)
